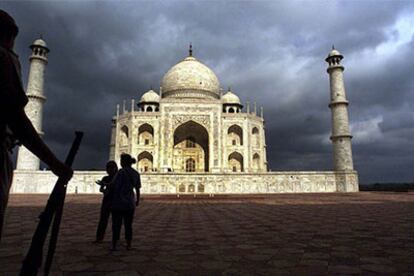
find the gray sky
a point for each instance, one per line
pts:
(270, 52)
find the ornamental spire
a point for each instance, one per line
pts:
(190, 50)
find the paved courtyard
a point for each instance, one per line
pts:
(366, 233)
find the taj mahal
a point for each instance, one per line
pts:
(194, 137)
(190, 126)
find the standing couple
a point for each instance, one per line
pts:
(119, 199)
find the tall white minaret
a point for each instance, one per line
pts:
(34, 108)
(341, 136)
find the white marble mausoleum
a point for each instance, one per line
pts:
(192, 136)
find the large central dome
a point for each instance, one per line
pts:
(190, 79)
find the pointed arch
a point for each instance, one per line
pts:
(236, 162)
(145, 161)
(145, 134)
(124, 135)
(255, 137)
(190, 165)
(235, 135)
(195, 135)
(256, 162)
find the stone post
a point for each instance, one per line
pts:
(341, 136)
(34, 108)
(132, 105)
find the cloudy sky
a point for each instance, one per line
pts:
(270, 52)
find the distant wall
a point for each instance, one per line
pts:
(215, 183)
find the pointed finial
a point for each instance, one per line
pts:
(150, 87)
(190, 50)
(333, 47)
(40, 35)
(229, 89)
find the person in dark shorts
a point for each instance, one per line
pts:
(124, 201)
(14, 123)
(105, 182)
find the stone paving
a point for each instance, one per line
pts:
(366, 233)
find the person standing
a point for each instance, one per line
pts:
(105, 182)
(124, 201)
(14, 123)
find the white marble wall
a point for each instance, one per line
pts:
(219, 183)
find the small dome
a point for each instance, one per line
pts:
(150, 97)
(189, 76)
(230, 98)
(334, 53)
(39, 42)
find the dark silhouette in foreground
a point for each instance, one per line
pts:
(53, 212)
(124, 202)
(14, 123)
(111, 169)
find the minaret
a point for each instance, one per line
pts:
(34, 108)
(113, 139)
(341, 136)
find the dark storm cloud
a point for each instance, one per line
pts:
(272, 53)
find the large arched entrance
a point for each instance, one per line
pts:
(191, 151)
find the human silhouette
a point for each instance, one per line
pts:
(14, 124)
(111, 169)
(124, 201)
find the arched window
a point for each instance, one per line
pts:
(124, 135)
(236, 162)
(256, 162)
(149, 109)
(235, 133)
(201, 188)
(255, 137)
(145, 134)
(231, 110)
(145, 161)
(190, 142)
(191, 188)
(190, 165)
